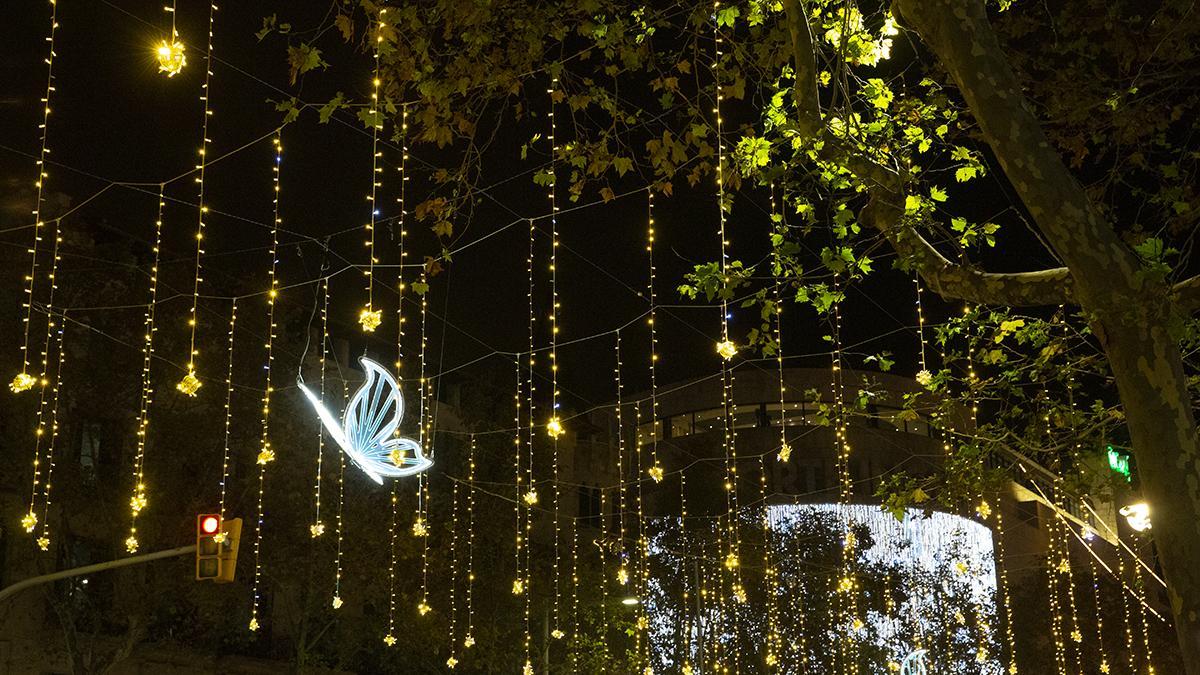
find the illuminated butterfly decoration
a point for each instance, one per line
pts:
(914, 663)
(367, 433)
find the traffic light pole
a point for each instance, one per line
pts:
(98, 567)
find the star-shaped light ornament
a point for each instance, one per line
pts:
(739, 593)
(316, 529)
(171, 57)
(518, 587)
(981, 655)
(43, 543)
(131, 544)
(960, 567)
(727, 349)
(220, 537)
(772, 660)
(253, 625)
(656, 472)
(687, 669)
(1104, 669)
(557, 634)
(423, 608)
(397, 456)
(531, 497)
(1076, 636)
(857, 625)
(924, 377)
(554, 427)
(622, 575)
(190, 384)
(29, 521)
(266, 455)
(419, 529)
(22, 382)
(785, 452)
(370, 319)
(528, 669)
(337, 603)
(469, 641)
(451, 662)
(138, 501)
(984, 509)
(389, 640)
(647, 671)
(731, 561)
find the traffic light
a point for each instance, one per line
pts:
(217, 547)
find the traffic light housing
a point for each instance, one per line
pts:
(217, 547)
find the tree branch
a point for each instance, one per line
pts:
(885, 210)
(1187, 294)
(959, 33)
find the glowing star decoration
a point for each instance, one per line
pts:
(451, 662)
(518, 587)
(924, 378)
(726, 349)
(531, 497)
(419, 528)
(171, 58)
(131, 544)
(857, 625)
(984, 509)
(1138, 516)
(266, 455)
(623, 575)
(554, 427)
(656, 472)
(785, 452)
(528, 669)
(316, 529)
(367, 433)
(914, 663)
(389, 640)
(370, 319)
(22, 382)
(43, 543)
(422, 608)
(557, 634)
(138, 501)
(253, 625)
(190, 384)
(469, 642)
(337, 602)
(29, 521)
(731, 561)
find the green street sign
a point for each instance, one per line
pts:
(1118, 462)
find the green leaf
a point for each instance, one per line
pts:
(326, 111)
(726, 17)
(420, 288)
(965, 173)
(937, 194)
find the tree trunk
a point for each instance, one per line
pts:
(1149, 371)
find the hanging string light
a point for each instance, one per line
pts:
(190, 383)
(317, 528)
(370, 318)
(23, 381)
(138, 500)
(170, 51)
(453, 660)
(574, 593)
(518, 585)
(848, 583)
(421, 525)
(770, 576)
(554, 425)
(924, 377)
(1140, 585)
(641, 559)
(339, 528)
(1103, 666)
(225, 452)
(656, 469)
(1128, 621)
(469, 637)
(687, 588)
(389, 638)
(43, 541)
(1004, 592)
(622, 556)
(266, 454)
(29, 522)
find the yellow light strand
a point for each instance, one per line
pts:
(266, 454)
(339, 529)
(1104, 666)
(623, 568)
(656, 469)
(1140, 585)
(453, 661)
(317, 528)
(685, 606)
(554, 425)
(30, 519)
(24, 381)
(138, 500)
(524, 584)
(770, 578)
(225, 452)
(642, 625)
(369, 318)
(170, 51)
(1004, 589)
(421, 527)
(848, 584)
(1128, 621)
(190, 382)
(43, 541)
(574, 593)
(389, 638)
(469, 637)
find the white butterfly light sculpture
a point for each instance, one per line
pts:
(914, 663)
(367, 433)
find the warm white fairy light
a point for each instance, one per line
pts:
(770, 577)
(370, 318)
(656, 469)
(190, 383)
(317, 528)
(518, 472)
(848, 583)
(523, 584)
(1004, 591)
(924, 377)
(339, 528)
(453, 635)
(785, 450)
(469, 635)
(23, 380)
(266, 454)
(39, 441)
(641, 562)
(421, 526)
(170, 51)
(554, 425)
(389, 638)
(225, 452)
(43, 540)
(622, 565)
(688, 589)
(138, 499)
(1145, 620)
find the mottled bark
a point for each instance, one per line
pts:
(1187, 295)
(1144, 358)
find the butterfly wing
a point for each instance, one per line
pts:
(328, 421)
(374, 411)
(396, 457)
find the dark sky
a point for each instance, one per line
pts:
(116, 119)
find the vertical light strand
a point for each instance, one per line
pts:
(23, 380)
(266, 454)
(421, 525)
(225, 452)
(452, 661)
(1103, 666)
(370, 318)
(523, 584)
(190, 383)
(518, 585)
(43, 541)
(339, 523)
(641, 561)
(317, 528)
(1128, 620)
(469, 637)
(848, 584)
(770, 578)
(170, 51)
(30, 520)
(924, 377)
(1140, 585)
(1004, 590)
(685, 576)
(622, 556)
(575, 593)
(554, 425)
(603, 547)
(138, 500)
(389, 637)
(656, 469)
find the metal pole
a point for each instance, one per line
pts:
(98, 567)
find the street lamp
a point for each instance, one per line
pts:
(630, 601)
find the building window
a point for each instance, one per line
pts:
(681, 425)
(91, 444)
(708, 420)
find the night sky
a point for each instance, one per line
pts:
(117, 119)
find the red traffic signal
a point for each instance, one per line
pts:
(210, 524)
(217, 547)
